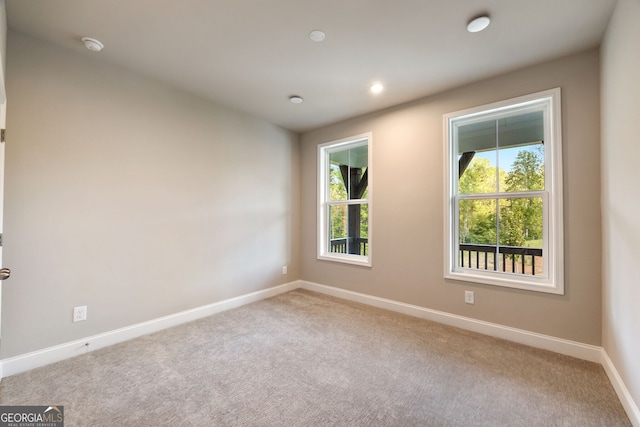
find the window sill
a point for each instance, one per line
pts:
(347, 259)
(508, 280)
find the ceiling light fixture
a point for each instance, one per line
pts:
(92, 44)
(377, 87)
(478, 23)
(317, 36)
(295, 99)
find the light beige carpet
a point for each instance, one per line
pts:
(305, 359)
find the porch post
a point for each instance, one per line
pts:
(357, 183)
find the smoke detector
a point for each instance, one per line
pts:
(478, 23)
(317, 36)
(92, 44)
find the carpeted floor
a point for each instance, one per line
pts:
(306, 359)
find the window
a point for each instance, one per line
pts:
(503, 219)
(344, 217)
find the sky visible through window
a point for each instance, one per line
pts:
(507, 157)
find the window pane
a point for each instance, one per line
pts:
(521, 235)
(348, 173)
(521, 222)
(337, 188)
(477, 158)
(521, 151)
(477, 238)
(338, 229)
(359, 214)
(477, 222)
(504, 155)
(524, 168)
(480, 175)
(349, 229)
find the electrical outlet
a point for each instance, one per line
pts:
(284, 270)
(80, 313)
(469, 297)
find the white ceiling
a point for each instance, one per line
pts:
(252, 55)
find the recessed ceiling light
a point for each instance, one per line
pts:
(377, 87)
(317, 36)
(478, 23)
(295, 99)
(92, 44)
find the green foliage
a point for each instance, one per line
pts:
(477, 222)
(480, 177)
(527, 171)
(520, 219)
(478, 217)
(337, 191)
(364, 221)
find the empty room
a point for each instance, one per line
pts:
(342, 213)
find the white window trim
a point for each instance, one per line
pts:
(323, 192)
(553, 280)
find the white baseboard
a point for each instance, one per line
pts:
(28, 361)
(558, 345)
(25, 362)
(621, 389)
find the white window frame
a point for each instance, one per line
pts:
(324, 151)
(552, 281)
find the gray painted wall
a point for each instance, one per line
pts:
(408, 205)
(3, 48)
(133, 198)
(621, 194)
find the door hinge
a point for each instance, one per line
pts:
(0, 240)
(2, 134)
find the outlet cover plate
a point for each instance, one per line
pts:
(80, 313)
(469, 297)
